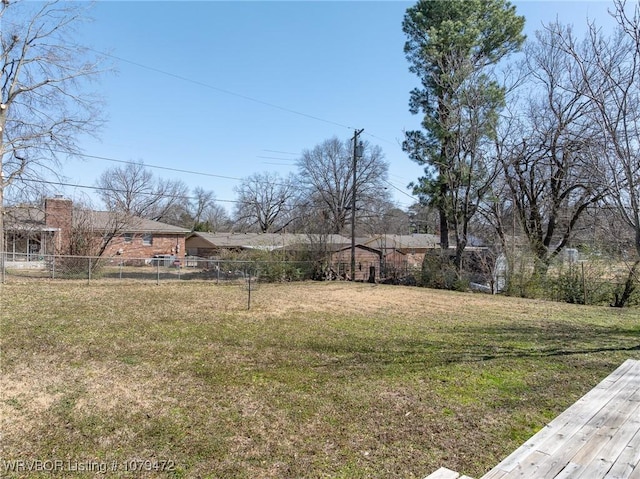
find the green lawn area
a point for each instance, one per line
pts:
(317, 380)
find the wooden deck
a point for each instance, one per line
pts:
(598, 437)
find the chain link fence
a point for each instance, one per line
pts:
(584, 281)
(161, 268)
(169, 268)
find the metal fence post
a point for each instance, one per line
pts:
(249, 293)
(584, 285)
(158, 272)
(53, 266)
(89, 275)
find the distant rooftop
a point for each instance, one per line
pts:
(269, 241)
(272, 241)
(27, 217)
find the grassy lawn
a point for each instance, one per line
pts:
(317, 380)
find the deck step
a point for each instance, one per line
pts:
(444, 473)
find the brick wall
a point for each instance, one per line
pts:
(58, 213)
(136, 248)
(364, 259)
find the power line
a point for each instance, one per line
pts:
(239, 95)
(276, 158)
(182, 197)
(167, 168)
(232, 93)
(222, 90)
(281, 152)
(199, 173)
(379, 138)
(116, 190)
(398, 189)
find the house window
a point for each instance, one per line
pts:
(147, 239)
(128, 237)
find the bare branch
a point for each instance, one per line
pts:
(265, 199)
(326, 175)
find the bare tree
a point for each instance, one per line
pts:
(43, 108)
(308, 217)
(201, 201)
(264, 201)
(382, 216)
(134, 190)
(548, 154)
(609, 68)
(93, 231)
(497, 216)
(423, 218)
(214, 218)
(198, 212)
(326, 174)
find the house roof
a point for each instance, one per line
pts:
(30, 218)
(371, 248)
(104, 220)
(25, 218)
(267, 241)
(404, 242)
(275, 241)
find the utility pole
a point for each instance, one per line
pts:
(357, 152)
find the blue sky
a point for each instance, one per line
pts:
(233, 88)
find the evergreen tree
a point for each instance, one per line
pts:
(452, 46)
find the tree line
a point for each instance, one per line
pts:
(546, 141)
(315, 200)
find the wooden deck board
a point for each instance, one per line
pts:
(613, 445)
(602, 439)
(551, 438)
(598, 437)
(624, 466)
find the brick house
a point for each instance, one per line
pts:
(413, 247)
(368, 262)
(209, 245)
(59, 227)
(371, 262)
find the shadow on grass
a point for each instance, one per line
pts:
(548, 339)
(476, 344)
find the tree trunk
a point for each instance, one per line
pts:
(629, 287)
(542, 258)
(2, 247)
(459, 259)
(2, 185)
(442, 209)
(540, 268)
(444, 228)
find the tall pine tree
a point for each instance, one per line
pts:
(452, 46)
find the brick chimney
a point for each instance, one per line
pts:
(58, 213)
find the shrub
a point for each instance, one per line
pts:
(438, 272)
(280, 271)
(76, 267)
